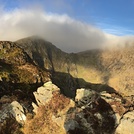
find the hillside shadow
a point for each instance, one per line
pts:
(68, 84)
(4, 68)
(38, 59)
(19, 91)
(48, 53)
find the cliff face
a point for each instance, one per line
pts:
(111, 67)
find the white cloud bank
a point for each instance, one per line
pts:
(66, 33)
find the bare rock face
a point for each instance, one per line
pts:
(81, 93)
(18, 112)
(50, 112)
(45, 93)
(95, 110)
(88, 114)
(14, 110)
(86, 96)
(126, 125)
(91, 114)
(124, 112)
(12, 116)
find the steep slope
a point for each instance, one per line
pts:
(17, 71)
(42, 52)
(19, 77)
(49, 57)
(112, 67)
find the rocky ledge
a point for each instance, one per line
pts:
(89, 113)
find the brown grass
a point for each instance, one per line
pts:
(42, 122)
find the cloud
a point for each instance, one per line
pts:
(118, 41)
(66, 33)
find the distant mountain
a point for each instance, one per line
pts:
(42, 52)
(112, 67)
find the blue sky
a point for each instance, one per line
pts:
(112, 16)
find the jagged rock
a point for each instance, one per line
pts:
(124, 113)
(86, 97)
(69, 116)
(45, 93)
(90, 111)
(126, 125)
(86, 93)
(12, 110)
(18, 112)
(50, 86)
(35, 107)
(81, 93)
(110, 98)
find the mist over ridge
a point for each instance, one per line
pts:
(66, 33)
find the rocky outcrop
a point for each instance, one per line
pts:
(90, 112)
(124, 112)
(83, 115)
(12, 110)
(44, 94)
(12, 115)
(50, 111)
(12, 54)
(126, 124)
(90, 115)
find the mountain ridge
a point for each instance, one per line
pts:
(95, 66)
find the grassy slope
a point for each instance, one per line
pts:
(112, 67)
